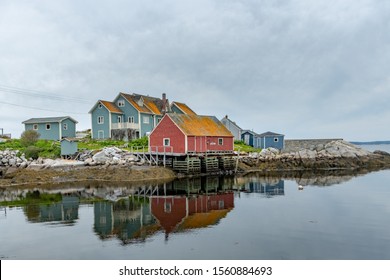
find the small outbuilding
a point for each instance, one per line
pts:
(250, 138)
(69, 147)
(271, 140)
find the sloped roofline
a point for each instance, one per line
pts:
(232, 122)
(48, 120)
(226, 133)
(102, 103)
(270, 133)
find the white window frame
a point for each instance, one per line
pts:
(121, 103)
(119, 119)
(146, 119)
(130, 119)
(220, 141)
(48, 126)
(276, 139)
(35, 126)
(167, 144)
(100, 119)
(100, 106)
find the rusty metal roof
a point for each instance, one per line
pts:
(196, 125)
(184, 108)
(150, 105)
(111, 106)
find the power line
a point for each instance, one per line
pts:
(40, 109)
(41, 94)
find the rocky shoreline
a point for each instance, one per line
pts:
(336, 154)
(116, 165)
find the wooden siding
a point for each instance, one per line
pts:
(104, 127)
(167, 129)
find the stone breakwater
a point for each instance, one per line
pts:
(336, 154)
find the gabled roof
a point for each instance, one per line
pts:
(195, 125)
(48, 120)
(250, 132)
(110, 106)
(184, 108)
(231, 122)
(270, 133)
(150, 105)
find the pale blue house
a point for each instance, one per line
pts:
(130, 116)
(52, 128)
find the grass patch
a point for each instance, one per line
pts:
(242, 147)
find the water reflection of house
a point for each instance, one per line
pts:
(181, 212)
(269, 188)
(127, 220)
(65, 212)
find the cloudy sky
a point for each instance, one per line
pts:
(307, 69)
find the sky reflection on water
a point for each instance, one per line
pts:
(208, 218)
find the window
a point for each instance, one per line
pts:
(121, 103)
(158, 120)
(35, 126)
(100, 120)
(167, 142)
(220, 141)
(145, 119)
(276, 139)
(65, 126)
(167, 207)
(131, 119)
(100, 106)
(48, 126)
(119, 119)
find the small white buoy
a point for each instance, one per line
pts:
(300, 187)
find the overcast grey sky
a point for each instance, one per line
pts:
(307, 69)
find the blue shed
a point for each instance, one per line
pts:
(68, 147)
(52, 128)
(250, 138)
(271, 140)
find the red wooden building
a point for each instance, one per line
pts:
(182, 134)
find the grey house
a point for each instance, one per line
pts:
(52, 128)
(271, 139)
(232, 127)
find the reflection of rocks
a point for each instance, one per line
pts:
(306, 177)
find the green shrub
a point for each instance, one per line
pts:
(29, 138)
(32, 152)
(142, 142)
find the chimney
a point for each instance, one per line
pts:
(164, 103)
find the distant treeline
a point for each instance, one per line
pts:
(371, 143)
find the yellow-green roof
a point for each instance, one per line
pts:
(184, 108)
(196, 125)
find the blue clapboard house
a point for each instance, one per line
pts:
(52, 128)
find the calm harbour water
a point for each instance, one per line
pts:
(333, 217)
